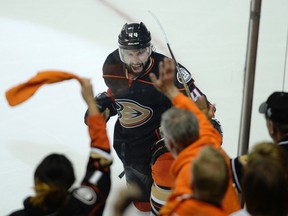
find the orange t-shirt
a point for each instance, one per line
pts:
(181, 167)
(188, 206)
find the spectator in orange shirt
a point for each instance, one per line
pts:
(209, 185)
(187, 130)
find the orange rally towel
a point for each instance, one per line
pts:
(22, 92)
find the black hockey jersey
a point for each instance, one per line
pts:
(139, 106)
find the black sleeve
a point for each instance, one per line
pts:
(237, 172)
(96, 184)
(194, 91)
(182, 72)
(98, 175)
(95, 187)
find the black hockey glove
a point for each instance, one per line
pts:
(158, 148)
(105, 105)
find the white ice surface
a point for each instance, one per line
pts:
(208, 37)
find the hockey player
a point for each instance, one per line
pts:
(131, 95)
(55, 175)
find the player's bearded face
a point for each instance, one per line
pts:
(135, 59)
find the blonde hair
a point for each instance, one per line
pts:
(210, 175)
(53, 177)
(48, 195)
(268, 150)
(265, 187)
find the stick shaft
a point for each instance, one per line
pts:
(187, 90)
(284, 73)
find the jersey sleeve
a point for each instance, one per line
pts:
(182, 74)
(96, 183)
(237, 172)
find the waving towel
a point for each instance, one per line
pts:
(22, 92)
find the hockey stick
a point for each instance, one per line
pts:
(284, 73)
(187, 90)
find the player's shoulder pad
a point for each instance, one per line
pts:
(85, 194)
(185, 74)
(113, 58)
